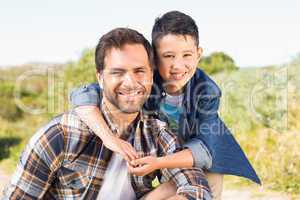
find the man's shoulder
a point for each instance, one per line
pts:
(51, 129)
(74, 132)
(71, 123)
(72, 120)
(63, 122)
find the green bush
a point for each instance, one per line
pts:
(255, 105)
(83, 71)
(8, 109)
(217, 62)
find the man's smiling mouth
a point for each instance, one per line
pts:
(131, 95)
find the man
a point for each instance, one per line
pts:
(66, 160)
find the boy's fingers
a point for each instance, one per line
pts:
(130, 169)
(140, 161)
(137, 170)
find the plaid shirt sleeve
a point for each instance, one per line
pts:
(38, 163)
(191, 182)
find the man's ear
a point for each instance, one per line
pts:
(199, 53)
(99, 76)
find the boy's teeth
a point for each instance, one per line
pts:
(177, 76)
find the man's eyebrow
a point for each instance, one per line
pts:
(117, 69)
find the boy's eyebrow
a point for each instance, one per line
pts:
(140, 67)
(168, 52)
(185, 51)
(188, 51)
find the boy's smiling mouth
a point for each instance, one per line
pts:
(178, 76)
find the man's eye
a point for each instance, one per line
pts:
(115, 73)
(141, 71)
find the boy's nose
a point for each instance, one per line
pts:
(178, 63)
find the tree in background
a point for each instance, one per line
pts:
(82, 71)
(217, 62)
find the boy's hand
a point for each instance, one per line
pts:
(143, 166)
(120, 146)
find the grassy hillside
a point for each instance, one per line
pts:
(260, 105)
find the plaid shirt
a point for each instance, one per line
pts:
(66, 160)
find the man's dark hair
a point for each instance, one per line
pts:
(117, 38)
(174, 22)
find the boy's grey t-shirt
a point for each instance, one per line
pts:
(116, 184)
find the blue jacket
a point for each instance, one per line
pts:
(201, 121)
(199, 124)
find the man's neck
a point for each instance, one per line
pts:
(121, 119)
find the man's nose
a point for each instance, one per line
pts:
(129, 80)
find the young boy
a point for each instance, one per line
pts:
(187, 99)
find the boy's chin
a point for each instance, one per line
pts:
(175, 89)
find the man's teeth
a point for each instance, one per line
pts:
(131, 93)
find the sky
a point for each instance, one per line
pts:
(253, 33)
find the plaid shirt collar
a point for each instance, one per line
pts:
(109, 118)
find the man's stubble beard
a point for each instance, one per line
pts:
(128, 109)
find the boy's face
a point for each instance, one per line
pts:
(178, 57)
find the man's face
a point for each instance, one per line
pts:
(178, 57)
(126, 78)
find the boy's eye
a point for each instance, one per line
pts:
(168, 56)
(187, 55)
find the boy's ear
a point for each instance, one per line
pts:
(200, 53)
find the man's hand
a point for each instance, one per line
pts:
(120, 146)
(143, 166)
